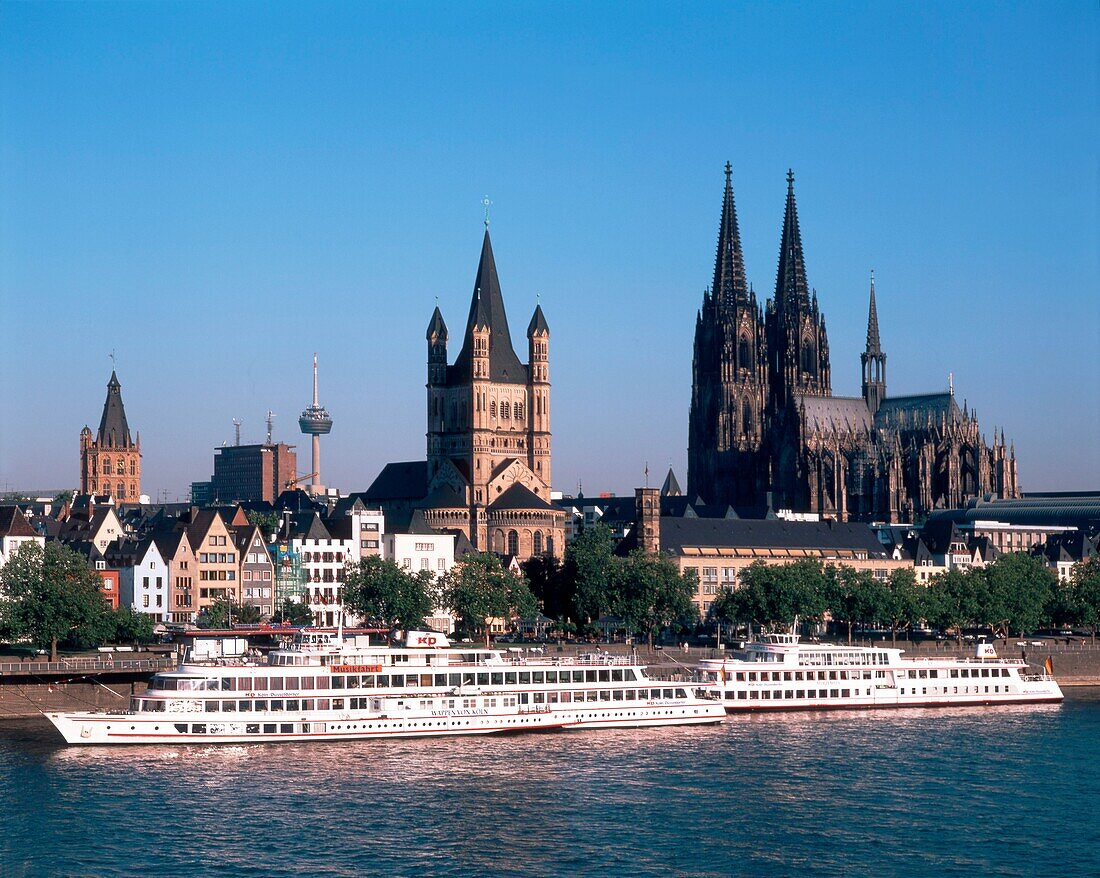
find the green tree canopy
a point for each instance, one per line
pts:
(389, 595)
(51, 597)
(649, 592)
(132, 626)
(905, 602)
(1018, 588)
(480, 587)
(293, 613)
(589, 561)
(551, 586)
(1085, 592)
(951, 599)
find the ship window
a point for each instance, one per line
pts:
(276, 704)
(252, 728)
(954, 672)
(834, 693)
(198, 728)
(260, 683)
(292, 704)
(536, 677)
(270, 728)
(741, 676)
(786, 675)
(292, 683)
(578, 676)
(667, 693)
(230, 706)
(307, 683)
(277, 683)
(497, 678)
(590, 676)
(244, 706)
(510, 678)
(741, 696)
(286, 727)
(846, 693)
(617, 676)
(631, 695)
(605, 676)
(617, 695)
(551, 676)
(261, 704)
(525, 678)
(211, 707)
(752, 676)
(629, 675)
(605, 695)
(337, 682)
(566, 697)
(591, 695)
(788, 693)
(766, 694)
(800, 693)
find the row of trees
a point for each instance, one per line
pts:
(1016, 593)
(51, 598)
(646, 592)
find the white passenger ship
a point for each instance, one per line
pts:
(326, 687)
(779, 673)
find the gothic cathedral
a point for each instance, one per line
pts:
(765, 428)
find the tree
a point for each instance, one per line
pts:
(379, 590)
(589, 560)
(649, 592)
(132, 626)
(293, 613)
(1086, 593)
(1018, 588)
(479, 588)
(216, 614)
(246, 614)
(951, 600)
(63, 497)
(51, 596)
(267, 522)
(904, 602)
(552, 588)
(853, 596)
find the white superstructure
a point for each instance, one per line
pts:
(779, 673)
(325, 687)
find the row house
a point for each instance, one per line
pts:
(143, 576)
(179, 558)
(15, 531)
(257, 569)
(217, 561)
(323, 561)
(420, 548)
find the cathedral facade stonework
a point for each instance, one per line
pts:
(765, 427)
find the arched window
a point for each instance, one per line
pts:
(809, 357)
(133, 468)
(744, 353)
(746, 418)
(549, 545)
(513, 543)
(121, 491)
(107, 465)
(538, 542)
(505, 410)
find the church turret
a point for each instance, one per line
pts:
(538, 395)
(873, 360)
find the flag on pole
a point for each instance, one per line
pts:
(1048, 665)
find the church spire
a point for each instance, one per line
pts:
(790, 280)
(874, 346)
(873, 360)
(487, 313)
(729, 265)
(114, 432)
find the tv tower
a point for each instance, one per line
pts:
(316, 422)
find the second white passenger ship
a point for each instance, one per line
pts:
(779, 673)
(327, 687)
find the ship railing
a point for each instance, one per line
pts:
(87, 664)
(1037, 678)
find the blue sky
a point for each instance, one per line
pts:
(214, 191)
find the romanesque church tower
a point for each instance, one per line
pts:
(489, 440)
(729, 377)
(110, 463)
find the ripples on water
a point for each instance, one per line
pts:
(968, 792)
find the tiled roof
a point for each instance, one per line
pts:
(407, 480)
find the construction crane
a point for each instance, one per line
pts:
(294, 482)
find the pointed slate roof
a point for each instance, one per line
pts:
(436, 326)
(790, 280)
(671, 487)
(114, 432)
(487, 312)
(13, 523)
(729, 264)
(874, 346)
(538, 323)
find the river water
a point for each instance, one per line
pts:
(960, 791)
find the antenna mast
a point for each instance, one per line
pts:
(270, 417)
(237, 430)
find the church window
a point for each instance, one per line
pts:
(538, 542)
(505, 409)
(549, 545)
(107, 465)
(513, 543)
(744, 355)
(518, 411)
(493, 408)
(133, 468)
(808, 356)
(746, 418)
(121, 491)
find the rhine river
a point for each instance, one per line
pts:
(970, 792)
